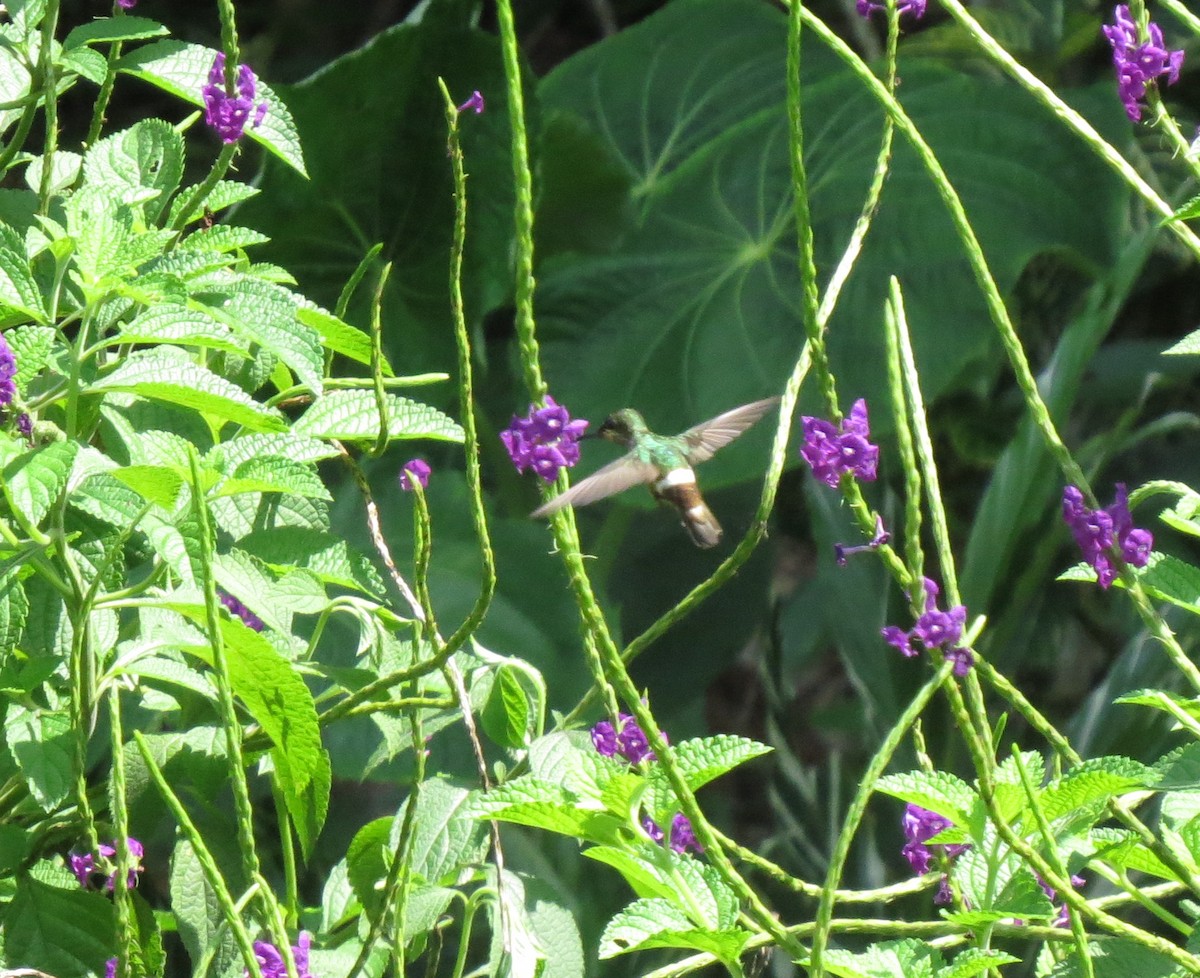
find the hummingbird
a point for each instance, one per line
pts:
(664, 463)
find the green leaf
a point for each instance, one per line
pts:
(1170, 579)
(554, 928)
(20, 297)
(1096, 779)
(266, 314)
(225, 194)
(1178, 770)
(976, 960)
(154, 483)
(156, 375)
(101, 227)
(647, 924)
(34, 480)
(700, 761)
(41, 743)
(281, 703)
(937, 791)
(507, 716)
(197, 912)
(367, 861)
(447, 837)
(908, 957)
(642, 875)
(247, 446)
(67, 933)
(14, 609)
(339, 337)
(182, 69)
(105, 29)
(272, 473)
(31, 345)
(353, 415)
(143, 164)
(325, 554)
(1190, 345)
(1116, 957)
(178, 325)
(1122, 849)
(223, 238)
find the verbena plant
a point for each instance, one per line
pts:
(185, 629)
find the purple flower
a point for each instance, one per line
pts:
(110, 966)
(545, 440)
(25, 425)
(841, 551)
(650, 827)
(241, 611)
(86, 870)
(915, 7)
(1063, 917)
(228, 114)
(944, 895)
(920, 825)
(126, 5)
(682, 836)
(1138, 64)
(475, 102)
(270, 960)
(935, 629)
(414, 472)
(627, 739)
(8, 370)
(832, 452)
(1097, 531)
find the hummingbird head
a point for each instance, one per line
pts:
(622, 427)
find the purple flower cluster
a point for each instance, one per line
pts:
(682, 837)
(1139, 64)
(920, 825)
(271, 963)
(110, 966)
(126, 5)
(88, 873)
(545, 440)
(915, 7)
(1097, 531)
(935, 629)
(241, 611)
(1063, 918)
(626, 739)
(415, 472)
(228, 114)
(833, 451)
(8, 371)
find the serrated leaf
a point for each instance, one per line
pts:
(156, 484)
(31, 345)
(353, 415)
(14, 609)
(325, 554)
(198, 912)
(41, 743)
(447, 838)
(67, 933)
(266, 314)
(143, 165)
(182, 69)
(569, 759)
(251, 445)
(1116, 957)
(937, 791)
(907, 957)
(34, 480)
(101, 227)
(340, 337)
(1178, 770)
(272, 473)
(225, 194)
(653, 923)
(506, 716)
(976, 960)
(700, 761)
(104, 29)
(223, 238)
(1170, 579)
(1122, 849)
(1190, 344)
(1096, 779)
(367, 860)
(20, 297)
(157, 376)
(178, 325)
(643, 877)
(87, 63)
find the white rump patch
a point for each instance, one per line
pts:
(676, 477)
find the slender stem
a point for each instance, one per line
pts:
(104, 96)
(120, 816)
(50, 102)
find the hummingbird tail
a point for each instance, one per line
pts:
(679, 489)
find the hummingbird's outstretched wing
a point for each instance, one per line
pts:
(615, 477)
(705, 438)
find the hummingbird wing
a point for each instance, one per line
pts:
(705, 438)
(615, 477)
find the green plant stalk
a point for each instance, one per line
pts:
(810, 300)
(858, 807)
(405, 843)
(1072, 119)
(914, 554)
(1062, 887)
(1054, 858)
(353, 281)
(103, 97)
(1008, 336)
(229, 44)
(287, 848)
(1136, 894)
(381, 404)
(1187, 874)
(219, 168)
(276, 925)
(465, 382)
(225, 706)
(24, 124)
(50, 102)
(464, 941)
(1179, 10)
(207, 864)
(120, 815)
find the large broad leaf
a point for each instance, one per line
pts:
(696, 310)
(390, 181)
(65, 933)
